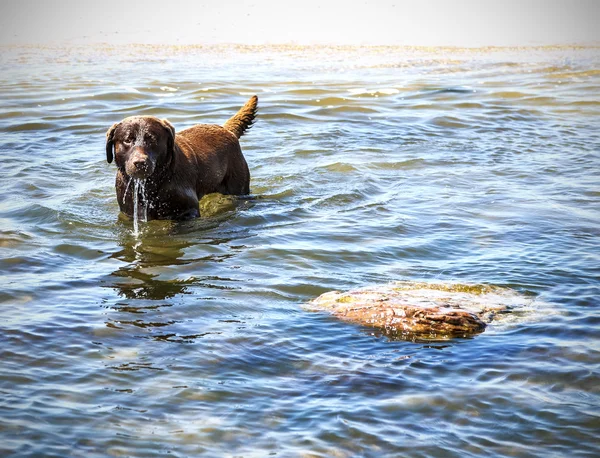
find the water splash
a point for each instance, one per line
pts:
(127, 189)
(144, 200)
(139, 188)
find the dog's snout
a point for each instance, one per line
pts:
(140, 157)
(139, 162)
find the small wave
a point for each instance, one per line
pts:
(452, 90)
(408, 164)
(574, 74)
(282, 117)
(14, 239)
(339, 167)
(540, 100)
(507, 95)
(112, 96)
(374, 92)
(78, 251)
(448, 121)
(29, 126)
(469, 105)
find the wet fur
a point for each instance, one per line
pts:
(178, 168)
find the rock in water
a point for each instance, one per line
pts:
(428, 311)
(215, 203)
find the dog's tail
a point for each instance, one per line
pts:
(243, 119)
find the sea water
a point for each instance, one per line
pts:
(369, 165)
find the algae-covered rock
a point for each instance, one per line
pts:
(429, 311)
(215, 203)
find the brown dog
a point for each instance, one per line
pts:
(177, 170)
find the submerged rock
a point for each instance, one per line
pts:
(428, 311)
(215, 203)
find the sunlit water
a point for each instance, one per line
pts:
(369, 165)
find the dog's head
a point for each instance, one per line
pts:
(140, 143)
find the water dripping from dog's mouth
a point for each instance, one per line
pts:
(140, 204)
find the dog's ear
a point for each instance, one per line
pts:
(171, 130)
(109, 142)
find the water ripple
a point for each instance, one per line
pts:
(369, 165)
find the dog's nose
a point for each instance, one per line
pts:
(139, 163)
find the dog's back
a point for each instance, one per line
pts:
(214, 155)
(217, 149)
